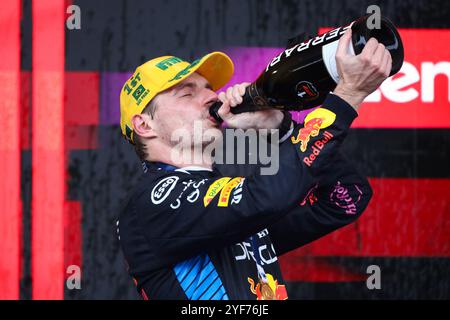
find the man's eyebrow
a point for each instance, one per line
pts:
(189, 85)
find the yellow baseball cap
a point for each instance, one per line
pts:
(162, 73)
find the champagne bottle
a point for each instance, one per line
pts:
(301, 76)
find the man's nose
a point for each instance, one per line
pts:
(210, 97)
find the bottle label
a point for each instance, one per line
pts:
(329, 58)
(321, 40)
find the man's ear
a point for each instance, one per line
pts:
(142, 125)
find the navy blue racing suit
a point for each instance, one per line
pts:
(192, 233)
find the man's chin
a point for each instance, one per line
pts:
(211, 124)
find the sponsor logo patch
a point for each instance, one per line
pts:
(271, 290)
(163, 188)
(226, 192)
(214, 189)
(318, 119)
(317, 148)
(341, 197)
(310, 196)
(192, 196)
(237, 193)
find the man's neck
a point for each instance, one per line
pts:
(185, 159)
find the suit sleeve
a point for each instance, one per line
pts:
(338, 199)
(183, 214)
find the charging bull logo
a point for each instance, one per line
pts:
(268, 291)
(314, 121)
(311, 129)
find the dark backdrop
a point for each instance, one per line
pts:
(116, 36)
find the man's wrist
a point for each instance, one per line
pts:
(353, 98)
